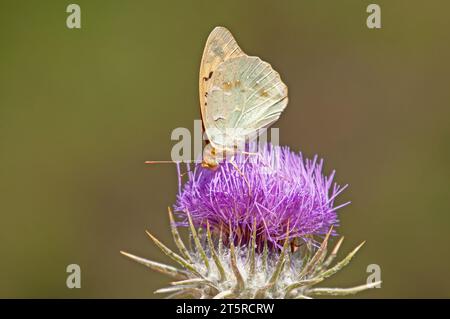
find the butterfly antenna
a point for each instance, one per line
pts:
(165, 162)
(160, 162)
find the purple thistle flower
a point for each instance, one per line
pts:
(276, 190)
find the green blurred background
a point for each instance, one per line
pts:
(81, 110)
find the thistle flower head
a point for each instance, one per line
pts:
(272, 189)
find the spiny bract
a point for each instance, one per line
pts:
(215, 268)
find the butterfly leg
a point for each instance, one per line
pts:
(260, 157)
(232, 162)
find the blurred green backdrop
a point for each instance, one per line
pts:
(81, 110)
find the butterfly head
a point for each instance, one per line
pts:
(210, 159)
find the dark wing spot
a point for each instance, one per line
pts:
(209, 76)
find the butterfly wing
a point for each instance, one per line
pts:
(245, 94)
(220, 46)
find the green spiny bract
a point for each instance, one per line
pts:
(214, 270)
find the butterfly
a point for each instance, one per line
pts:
(239, 96)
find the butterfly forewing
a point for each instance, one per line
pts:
(219, 47)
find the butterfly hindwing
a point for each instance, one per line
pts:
(245, 94)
